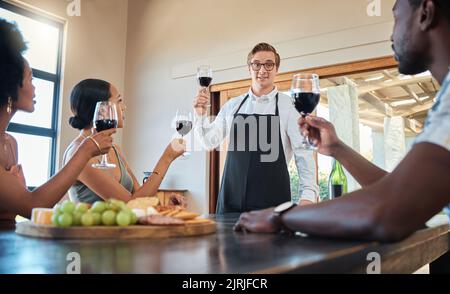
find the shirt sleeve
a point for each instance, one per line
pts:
(304, 160)
(211, 134)
(437, 125)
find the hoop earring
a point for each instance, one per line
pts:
(10, 105)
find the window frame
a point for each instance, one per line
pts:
(55, 78)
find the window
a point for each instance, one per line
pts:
(36, 133)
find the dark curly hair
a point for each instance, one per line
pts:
(12, 46)
(83, 100)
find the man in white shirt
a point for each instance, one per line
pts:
(391, 205)
(256, 175)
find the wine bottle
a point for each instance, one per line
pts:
(337, 182)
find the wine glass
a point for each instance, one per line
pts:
(183, 125)
(105, 118)
(204, 76)
(305, 95)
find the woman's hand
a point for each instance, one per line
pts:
(201, 102)
(257, 222)
(99, 143)
(175, 149)
(321, 133)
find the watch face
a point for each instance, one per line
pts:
(284, 206)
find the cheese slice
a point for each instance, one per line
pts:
(42, 216)
(143, 203)
(139, 212)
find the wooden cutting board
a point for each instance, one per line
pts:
(102, 232)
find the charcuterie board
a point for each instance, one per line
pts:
(114, 232)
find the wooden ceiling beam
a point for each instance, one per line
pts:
(414, 125)
(407, 88)
(376, 102)
(393, 83)
(425, 89)
(414, 109)
(412, 94)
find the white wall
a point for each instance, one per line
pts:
(95, 45)
(167, 39)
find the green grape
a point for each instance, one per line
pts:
(87, 219)
(127, 210)
(109, 218)
(134, 218)
(116, 205)
(81, 207)
(65, 220)
(77, 218)
(123, 219)
(67, 206)
(99, 206)
(117, 202)
(112, 206)
(97, 218)
(55, 219)
(57, 209)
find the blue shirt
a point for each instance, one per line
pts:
(437, 124)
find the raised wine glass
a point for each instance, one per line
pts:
(204, 76)
(105, 118)
(305, 95)
(183, 125)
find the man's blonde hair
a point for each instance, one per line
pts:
(264, 47)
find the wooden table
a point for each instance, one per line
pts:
(224, 252)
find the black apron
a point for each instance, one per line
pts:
(247, 182)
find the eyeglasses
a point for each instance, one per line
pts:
(256, 66)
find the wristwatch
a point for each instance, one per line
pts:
(279, 211)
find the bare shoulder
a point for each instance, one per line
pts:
(71, 149)
(12, 140)
(119, 150)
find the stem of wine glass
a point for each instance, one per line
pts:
(185, 153)
(104, 160)
(304, 141)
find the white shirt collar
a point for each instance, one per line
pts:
(264, 98)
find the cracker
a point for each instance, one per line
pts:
(173, 212)
(199, 221)
(185, 215)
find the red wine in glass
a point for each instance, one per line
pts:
(105, 118)
(204, 76)
(105, 124)
(204, 81)
(183, 127)
(305, 95)
(305, 103)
